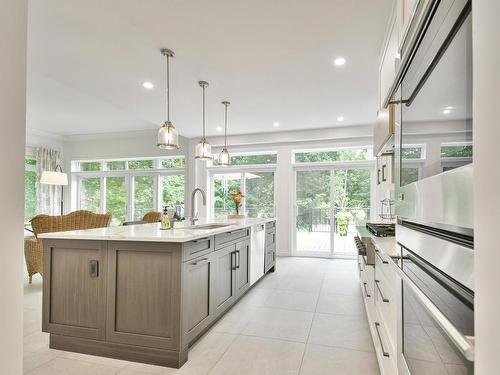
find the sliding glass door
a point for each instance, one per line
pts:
(329, 204)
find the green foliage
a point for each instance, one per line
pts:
(411, 153)
(116, 165)
(173, 163)
(140, 164)
(343, 218)
(408, 175)
(143, 196)
(456, 151)
(90, 166)
(30, 196)
(329, 156)
(251, 159)
(116, 199)
(173, 191)
(90, 194)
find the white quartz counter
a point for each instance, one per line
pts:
(386, 245)
(153, 233)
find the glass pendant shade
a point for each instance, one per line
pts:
(168, 137)
(203, 150)
(224, 158)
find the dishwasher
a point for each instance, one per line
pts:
(257, 248)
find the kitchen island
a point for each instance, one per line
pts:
(143, 294)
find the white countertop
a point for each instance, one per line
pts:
(152, 232)
(386, 245)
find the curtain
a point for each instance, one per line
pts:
(49, 196)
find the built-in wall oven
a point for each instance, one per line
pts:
(434, 191)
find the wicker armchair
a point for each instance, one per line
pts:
(33, 248)
(152, 217)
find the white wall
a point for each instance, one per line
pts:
(13, 30)
(283, 143)
(486, 57)
(115, 145)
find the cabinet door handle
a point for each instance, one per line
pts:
(377, 328)
(383, 172)
(201, 261)
(386, 300)
(237, 259)
(378, 176)
(233, 260)
(94, 268)
(380, 256)
(366, 291)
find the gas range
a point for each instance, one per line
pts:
(382, 229)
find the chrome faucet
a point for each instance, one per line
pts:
(194, 217)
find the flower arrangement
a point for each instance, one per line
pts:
(236, 197)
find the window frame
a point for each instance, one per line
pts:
(157, 172)
(330, 163)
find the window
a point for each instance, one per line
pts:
(30, 188)
(257, 187)
(348, 154)
(251, 159)
(409, 175)
(128, 189)
(412, 163)
(90, 194)
(456, 150)
(411, 152)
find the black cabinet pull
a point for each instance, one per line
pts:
(366, 291)
(237, 259)
(383, 172)
(94, 268)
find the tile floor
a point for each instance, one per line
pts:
(307, 318)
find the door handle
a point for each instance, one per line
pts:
(233, 260)
(94, 268)
(237, 259)
(384, 353)
(386, 300)
(383, 172)
(366, 291)
(378, 176)
(201, 261)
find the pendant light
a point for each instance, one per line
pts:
(203, 148)
(224, 158)
(168, 137)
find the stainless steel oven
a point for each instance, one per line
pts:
(436, 312)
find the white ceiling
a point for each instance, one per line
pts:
(272, 59)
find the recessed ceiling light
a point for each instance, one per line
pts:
(276, 124)
(218, 128)
(446, 111)
(148, 85)
(340, 118)
(339, 61)
(450, 107)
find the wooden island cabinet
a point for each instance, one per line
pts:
(140, 298)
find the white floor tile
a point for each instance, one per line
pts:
(260, 356)
(342, 331)
(323, 360)
(65, 366)
(340, 304)
(292, 300)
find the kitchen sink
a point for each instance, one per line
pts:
(209, 226)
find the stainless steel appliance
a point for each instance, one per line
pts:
(434, 189)
(381, 229)
(258, 239)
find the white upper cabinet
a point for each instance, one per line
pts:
(405, 9)
(389, 55)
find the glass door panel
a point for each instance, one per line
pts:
(172, 192)
(90, 194)
(223, 185)
(313, 212)
(351, 207)
(144, 194)
(259, 194)
(116, 199)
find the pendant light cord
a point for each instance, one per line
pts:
(225, 124)
(203, 113)
(168, 88)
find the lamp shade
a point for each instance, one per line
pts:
(168, 138)
(54, 178)
(203, 150)
(224, 158)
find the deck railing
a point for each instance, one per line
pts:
(316, 219)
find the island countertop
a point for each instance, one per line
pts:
(153, 233)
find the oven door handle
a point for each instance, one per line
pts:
(464, 343)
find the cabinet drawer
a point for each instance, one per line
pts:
(383, 265)
(196, 248)
(270, 226)
(367, 286)
(385, 303)
(385, 352)
(270, 239)
(223, 239)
